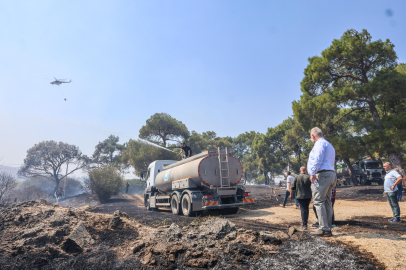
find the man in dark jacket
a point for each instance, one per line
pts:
(302, 186)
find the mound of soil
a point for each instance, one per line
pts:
(41, 235)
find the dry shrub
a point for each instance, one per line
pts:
(7, 184)
(105, 181)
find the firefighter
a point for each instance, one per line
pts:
(186, 149)
(58, 193)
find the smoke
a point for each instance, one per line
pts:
(36, 188)
(135, 186)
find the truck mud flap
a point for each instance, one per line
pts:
(197, 197)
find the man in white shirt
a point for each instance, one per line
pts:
(323, 177)
(392, 179)
(289, 182)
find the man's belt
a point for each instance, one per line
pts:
(325, 171)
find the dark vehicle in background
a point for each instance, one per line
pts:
(366, 172)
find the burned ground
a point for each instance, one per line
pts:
(40, 235)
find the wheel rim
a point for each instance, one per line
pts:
(185, 205)
(175, 205)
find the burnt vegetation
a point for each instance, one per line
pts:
(41, 235)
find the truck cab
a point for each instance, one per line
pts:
(371, 171)
(154, 168)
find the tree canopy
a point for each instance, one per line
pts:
(208, 141)
(50, 159)
(161, 128)
(109, 152)
(349, 75)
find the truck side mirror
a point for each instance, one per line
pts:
(142, 175)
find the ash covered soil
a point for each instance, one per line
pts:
(41, 235)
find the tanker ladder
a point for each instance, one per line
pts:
(223, 165)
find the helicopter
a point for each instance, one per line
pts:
(59, 82)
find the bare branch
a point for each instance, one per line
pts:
(344, 76)
(351, 111)
(7, 183)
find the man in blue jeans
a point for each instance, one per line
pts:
(289, 182)
(392, 179)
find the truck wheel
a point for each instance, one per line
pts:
(229, 211)
(175, 205)
(363, 181)
(147, 206)
(186, 205)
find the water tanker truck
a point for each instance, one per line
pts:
(207, 181)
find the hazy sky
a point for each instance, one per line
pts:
(226, 66)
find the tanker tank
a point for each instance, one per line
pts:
(202, 170)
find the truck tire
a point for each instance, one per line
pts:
(147, 206)
(187, 205)
(175, 205)
(363, 181)
(229, 211)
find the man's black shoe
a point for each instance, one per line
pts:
(321, 233)
(316, 224)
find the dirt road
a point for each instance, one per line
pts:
(362, 215)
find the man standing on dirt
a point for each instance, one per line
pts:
(289, 192)
(302, 186)
(126, 187)
(323, 177)
(392, 179)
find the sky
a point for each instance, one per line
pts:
(223, 66)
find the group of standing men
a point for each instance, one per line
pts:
(318, 181)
